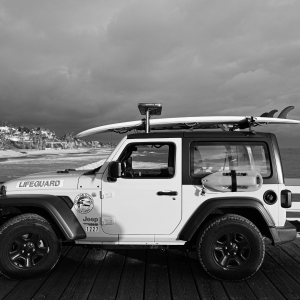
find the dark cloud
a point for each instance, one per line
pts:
(71, 65)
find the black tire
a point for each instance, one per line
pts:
(230, 248)
(28, 247)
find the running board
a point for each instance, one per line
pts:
(175, 243)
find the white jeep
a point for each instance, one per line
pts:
(218, 192)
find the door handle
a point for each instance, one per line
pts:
(169, 193)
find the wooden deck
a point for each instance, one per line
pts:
(151, 274)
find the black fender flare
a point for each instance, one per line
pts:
(55, 206)
(211, 205)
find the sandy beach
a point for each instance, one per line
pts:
(26, 152)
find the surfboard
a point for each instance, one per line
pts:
(211, 122)
(222, 181)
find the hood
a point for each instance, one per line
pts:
(45, 181)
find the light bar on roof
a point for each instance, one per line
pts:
(149, 109)
(153, 108)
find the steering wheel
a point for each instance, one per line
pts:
(125, 171)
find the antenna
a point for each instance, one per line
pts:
(149, 109)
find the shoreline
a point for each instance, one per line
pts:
(15, 164)
(29, 152)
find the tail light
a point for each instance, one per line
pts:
(286, 198)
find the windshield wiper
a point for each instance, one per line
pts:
(66, 171)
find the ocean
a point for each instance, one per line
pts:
(291, 162)
(16, 167)
(11, 168)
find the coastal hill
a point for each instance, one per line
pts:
(40, 138)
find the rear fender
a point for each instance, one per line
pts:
(226, 203)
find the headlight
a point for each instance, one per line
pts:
(2, 190)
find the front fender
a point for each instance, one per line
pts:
(56, 208)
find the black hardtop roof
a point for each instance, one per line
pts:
(199, 134)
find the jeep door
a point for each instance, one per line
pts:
(146, 199)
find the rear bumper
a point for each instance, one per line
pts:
(283, 234)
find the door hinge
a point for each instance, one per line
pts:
(106, 195)
(107, 221)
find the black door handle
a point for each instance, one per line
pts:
(171, 193)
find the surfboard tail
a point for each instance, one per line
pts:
(282, 115)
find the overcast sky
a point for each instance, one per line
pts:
(72, 65)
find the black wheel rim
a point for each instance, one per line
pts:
(231, 250)
(28, 250)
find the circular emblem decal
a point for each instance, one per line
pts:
(83, 203)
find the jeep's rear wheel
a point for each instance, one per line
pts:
(28, 247)
(230, 248)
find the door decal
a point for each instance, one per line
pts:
(83, 203)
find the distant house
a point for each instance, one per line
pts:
(4, 129)
(35, 135)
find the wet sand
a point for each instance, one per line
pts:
(26, 152)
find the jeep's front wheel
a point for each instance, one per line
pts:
(230, 248)
(28, 247)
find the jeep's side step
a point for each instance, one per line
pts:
(129, 247)
(131, 244)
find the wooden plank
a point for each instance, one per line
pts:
(61, 276)
(132, 281)
(238, 290)
(157, 284)
(108, 279)
(157, 275)
(181, 278)
(297, 242)
(208, 287)
(262, 288)
(280, 279)
(25, 289)
(292, 250)
(83, 280)
(285, 261)
(6, 285)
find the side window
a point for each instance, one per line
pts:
(148, 160)
(206, 158)
(261, 160)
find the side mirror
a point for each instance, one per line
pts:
(114, 171)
